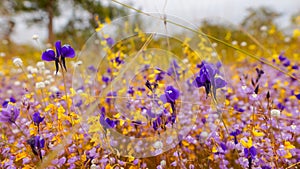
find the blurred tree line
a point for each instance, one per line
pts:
(256, 26)
(78, 27)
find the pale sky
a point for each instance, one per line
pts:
(194, 11)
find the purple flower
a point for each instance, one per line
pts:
(298, 96)
(105, 79)
(37, 119)
(107, 122)
(36, 143)
(206, 78)
(171, 94)
(250, 152)
(234, 134)
(59, 57)
(281, 57)
(9, 114)
(110, 41)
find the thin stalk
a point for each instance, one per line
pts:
(65, 88)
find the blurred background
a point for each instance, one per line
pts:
(74, 21)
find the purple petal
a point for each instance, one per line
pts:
(246, 152)
(67, 51)
(58, 48)
(220, 83)
(163, 98)
(197, 82)
(48, 55)
(4, 116)
(252, 151)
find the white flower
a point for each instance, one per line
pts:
(17, 83)
(158, 145)
(275, 113)
(47, 72)
(2, 54)
(204, 134)
(244, 44)
(163, 163)
(34, 70)
(29, 76)
(93, 166)
(35, 37)
(40, 65)
(234, 42)
(263, 28)
(18, 61)
(54, 89)
(47, 82)
(40, 85)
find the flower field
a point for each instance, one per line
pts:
(168, 96)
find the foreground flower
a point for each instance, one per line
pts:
(59, 56)
(171, 94)
(207, 78)
(37, 119)
(36, 143)
(9, 114)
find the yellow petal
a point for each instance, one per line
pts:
(288, 145)
(288, 155)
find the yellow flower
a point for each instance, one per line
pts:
(288, 145)
(257, 133)
(20, 156)
(247, 144)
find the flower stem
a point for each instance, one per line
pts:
(65, 88)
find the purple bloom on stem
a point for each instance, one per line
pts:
(234, 134)
(250, 152)
(107, 122)
(281, 57)
(298, 96)
(171, 94)
(9, 114)
(59, 57)
(110, 41)
(36, 143)
(105, 79)
(5, 103)
(37, 119)
(206, 78)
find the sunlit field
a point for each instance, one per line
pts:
(124, 88)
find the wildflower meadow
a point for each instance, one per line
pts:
(152, 90)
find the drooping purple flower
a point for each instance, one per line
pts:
(59, 56)
(234, 134)
(105, 79)
(110, 41)
(130, 91)
(206, 78)
(250, 152)
(5, 103)
(171, 94)
(281, 57)
(298, 96)
(36, 143)
(107, 122)
(37, 119)
(9, 114)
